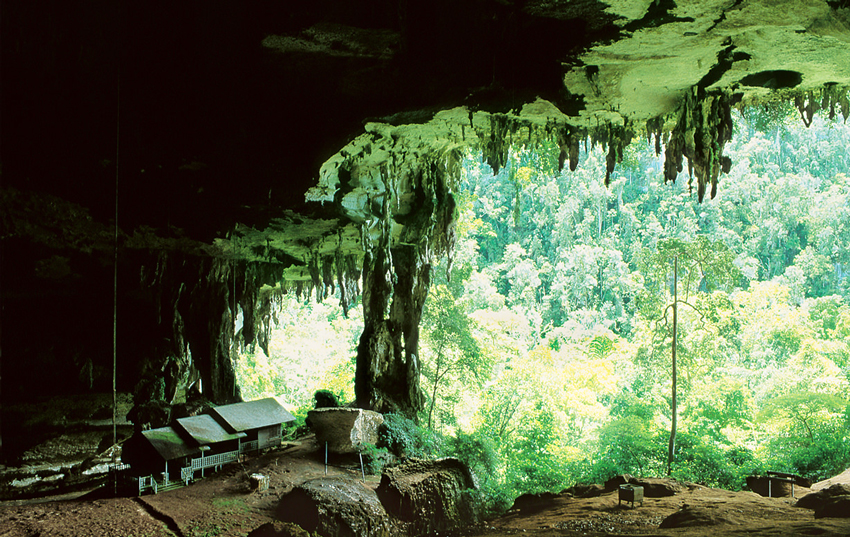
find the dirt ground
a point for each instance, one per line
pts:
(223, 504)
(725, 512)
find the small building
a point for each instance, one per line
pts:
(261, 420)
(158, 457)
(169, 457)
(216, 445)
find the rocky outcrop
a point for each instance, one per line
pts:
(430, 496)
(653, 487)
(345, 430)
(279, 529)
(533, 503)
(835, 508)
(584, 490)
(337, 507)
(615, 482)
(415, 498)
(658, 487)
(831, 502)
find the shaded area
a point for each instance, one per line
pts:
(778, 79)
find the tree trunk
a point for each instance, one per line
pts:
(672, 447)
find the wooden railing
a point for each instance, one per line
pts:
(253, 445)
(147, 482)
(214, 460)
(187, 473)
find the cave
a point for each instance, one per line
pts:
(170, 170)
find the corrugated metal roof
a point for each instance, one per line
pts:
(253, 414)
(168, 443)
(205, 430)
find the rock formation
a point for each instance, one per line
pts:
(336, 507)
(345, 430)
(430, 496)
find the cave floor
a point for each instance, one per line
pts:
(223, 504)
(718, 512)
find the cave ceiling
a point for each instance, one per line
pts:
(236, 120)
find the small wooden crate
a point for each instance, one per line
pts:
(259, 482)
(631, 493)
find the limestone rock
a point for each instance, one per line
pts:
(581, 490)
(344, 429)
(843, 477)
(835, 508)
(532, 503)
(655, 487)
(696, 516)
(279, 529)
(429, 495)
(615, 482)
(337, 507)
(822, 497)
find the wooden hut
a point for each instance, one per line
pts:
(157, 458)
(164, 458)
(261, 420)
(216, 445)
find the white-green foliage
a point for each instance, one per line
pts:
(313, 346)
(566, 284)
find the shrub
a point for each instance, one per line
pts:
(375, 459)
(326, 399)
(404, 438)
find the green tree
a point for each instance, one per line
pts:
(805, 410)
(450, 352)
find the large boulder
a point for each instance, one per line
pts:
(818, 499)
(835, 508)
(337, 507)
(279, 529)
(533, 503)
(345, 430)
(584, 490)
(430, 496)
(658, 487)
(615, 482)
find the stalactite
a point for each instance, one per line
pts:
(831, 97)
(496, 143)
(315, 277)
(653, 128)
(328, 270)
(197, 299)
(703, 127)
(568, 139)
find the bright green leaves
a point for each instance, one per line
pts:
(312, 347)
(450, 355)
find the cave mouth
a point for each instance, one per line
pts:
(518, 183)
(552, 328)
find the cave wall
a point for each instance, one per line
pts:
(173, 302)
